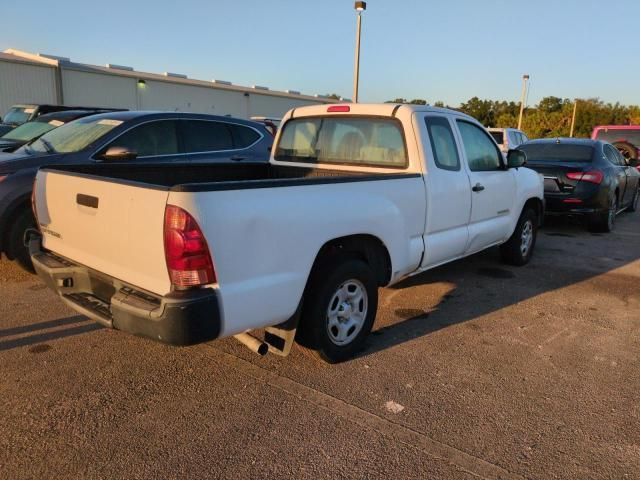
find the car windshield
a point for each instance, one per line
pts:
(73, 136)
(29, 130)
(555, 152)
(18, 115)
(612, 135)
(498, 137)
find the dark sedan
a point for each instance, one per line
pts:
(31, 130)
(132, 137)
(589, 178)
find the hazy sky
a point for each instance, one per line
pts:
(436, 50)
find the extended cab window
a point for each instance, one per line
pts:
(482, 153)
(445, 153)
(377, 142)
(150, 139)
(206, 136)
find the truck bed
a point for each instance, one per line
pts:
(215, 177)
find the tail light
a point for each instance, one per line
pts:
(592, 176)
(188, 258)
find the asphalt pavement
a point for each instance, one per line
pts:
(475, 369)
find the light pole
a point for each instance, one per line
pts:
(573, 117)
(525, 79)
(360, 7)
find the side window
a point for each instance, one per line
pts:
(243, 137)
(443, 145)
(150, 139)
(513, 139)
(611, 155)
(482, 154)
(206, 136)
(524, 138)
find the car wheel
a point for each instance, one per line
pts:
(17, 251)
(518, 250)
(339, 309)
(634, 201)
(606, 221)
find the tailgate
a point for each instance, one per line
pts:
(112, 227)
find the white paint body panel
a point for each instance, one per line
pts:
(264, 240)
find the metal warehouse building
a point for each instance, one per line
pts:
(39, 78)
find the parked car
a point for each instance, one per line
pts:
(508, 138)
(34, 129)
(133, 137)
(345, 205)
(625, 138)
(584, 177)
(19, 114)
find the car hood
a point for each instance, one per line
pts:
(10, 162)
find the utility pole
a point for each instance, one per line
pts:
(525, 79)
(360, 7)
(573, 117)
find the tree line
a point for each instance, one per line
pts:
(551, 117)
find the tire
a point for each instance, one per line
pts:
(518, 250)
(633, 206)
(16, 249)
(339, 309)
(606, 221)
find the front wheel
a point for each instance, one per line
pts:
(518, 250)
(17, 251)
(339, 309)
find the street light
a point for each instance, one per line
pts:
(360, 7)
(525, 79)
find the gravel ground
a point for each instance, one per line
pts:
(475, 369)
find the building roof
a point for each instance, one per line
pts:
(56, 61)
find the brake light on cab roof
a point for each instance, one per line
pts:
(339, 108)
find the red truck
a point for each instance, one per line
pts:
(626, 138)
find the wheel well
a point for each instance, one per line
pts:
(536, 204)
(365, 247)
(15, 210)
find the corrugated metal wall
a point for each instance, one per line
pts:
(98, 90)
(188, 98)
(25, 83)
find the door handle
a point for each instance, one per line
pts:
(477, 187)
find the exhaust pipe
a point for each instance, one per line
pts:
(252, 343)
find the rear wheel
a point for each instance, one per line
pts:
(339, 309)
(16, 250)
(606, 221)
(518, 250)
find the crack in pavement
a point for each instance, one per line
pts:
(364, 418)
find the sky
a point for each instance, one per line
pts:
(435, 50)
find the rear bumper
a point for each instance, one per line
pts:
(179, 318)
(556, 205)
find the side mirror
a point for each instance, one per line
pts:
(516, 159)
(118, 154)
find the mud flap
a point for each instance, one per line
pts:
(280, 337)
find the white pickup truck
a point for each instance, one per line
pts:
(355, 197)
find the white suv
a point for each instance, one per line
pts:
(508, 138)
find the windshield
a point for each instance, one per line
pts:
(29, 130)
(498, 137)
(620, 135)
(18, 115)
(554, 152)
(73, 136)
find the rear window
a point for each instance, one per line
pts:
(377, 142)
(553, 152)
(615, 135)
(498, 137)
